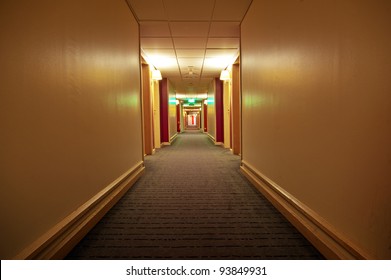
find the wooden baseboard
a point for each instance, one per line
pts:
(60, 240)
(331, 243)
(173, 138)
(211, 137)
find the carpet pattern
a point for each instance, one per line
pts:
(193, 203)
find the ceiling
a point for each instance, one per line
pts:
(190, 42)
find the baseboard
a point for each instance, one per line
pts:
(214, 141)
(211, 137)
(331, 243)
(172, 139)
(60, 240)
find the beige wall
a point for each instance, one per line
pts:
(147, 109)
(69, 109)
(236, 110)
(317, 109)
(211, 125)
(227, 95)
(156, 113)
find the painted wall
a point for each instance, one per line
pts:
(69, 109)
(227, 95)
(147, 109)
(236, 110)
(317, 109)
(156, 114)
(211, 110)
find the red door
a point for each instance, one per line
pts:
(205, 117)
(178, 118)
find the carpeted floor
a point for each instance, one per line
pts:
(193, 203)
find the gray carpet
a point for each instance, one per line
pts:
(193, 203)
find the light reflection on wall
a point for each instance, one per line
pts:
(210, 100)
(127, 100)
(254, 99)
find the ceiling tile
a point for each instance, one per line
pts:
(190, 52)
(205, 81)
(156, 43)
(193, 76)
(225, 29)
(154, 29)
(221, 52)
(171, 73)
(188, 62)
(223, 43)
(210, 73)
(181, 88)
(216, 63)
(163, 62)
(161, 52)
(192, 79)
(186, 69)
(231, 10)
(190, 24)
(176, 80)
(189, 10)
(189, 29)
(144, 11)
(189, 43)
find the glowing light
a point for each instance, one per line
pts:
(210, 100)
(162, 62)
(127, 100)
(224, 75)
(156, 75)
(219, 62)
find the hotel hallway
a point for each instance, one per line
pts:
(193, 203)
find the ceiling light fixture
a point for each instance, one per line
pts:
(156, 75)
(224, 75)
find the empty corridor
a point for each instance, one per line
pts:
(193, 203)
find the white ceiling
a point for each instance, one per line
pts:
(190, 42)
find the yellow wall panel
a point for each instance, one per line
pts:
(69, 109)
(316, 108)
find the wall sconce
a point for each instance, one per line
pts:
(224, 75)
(156, 75)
